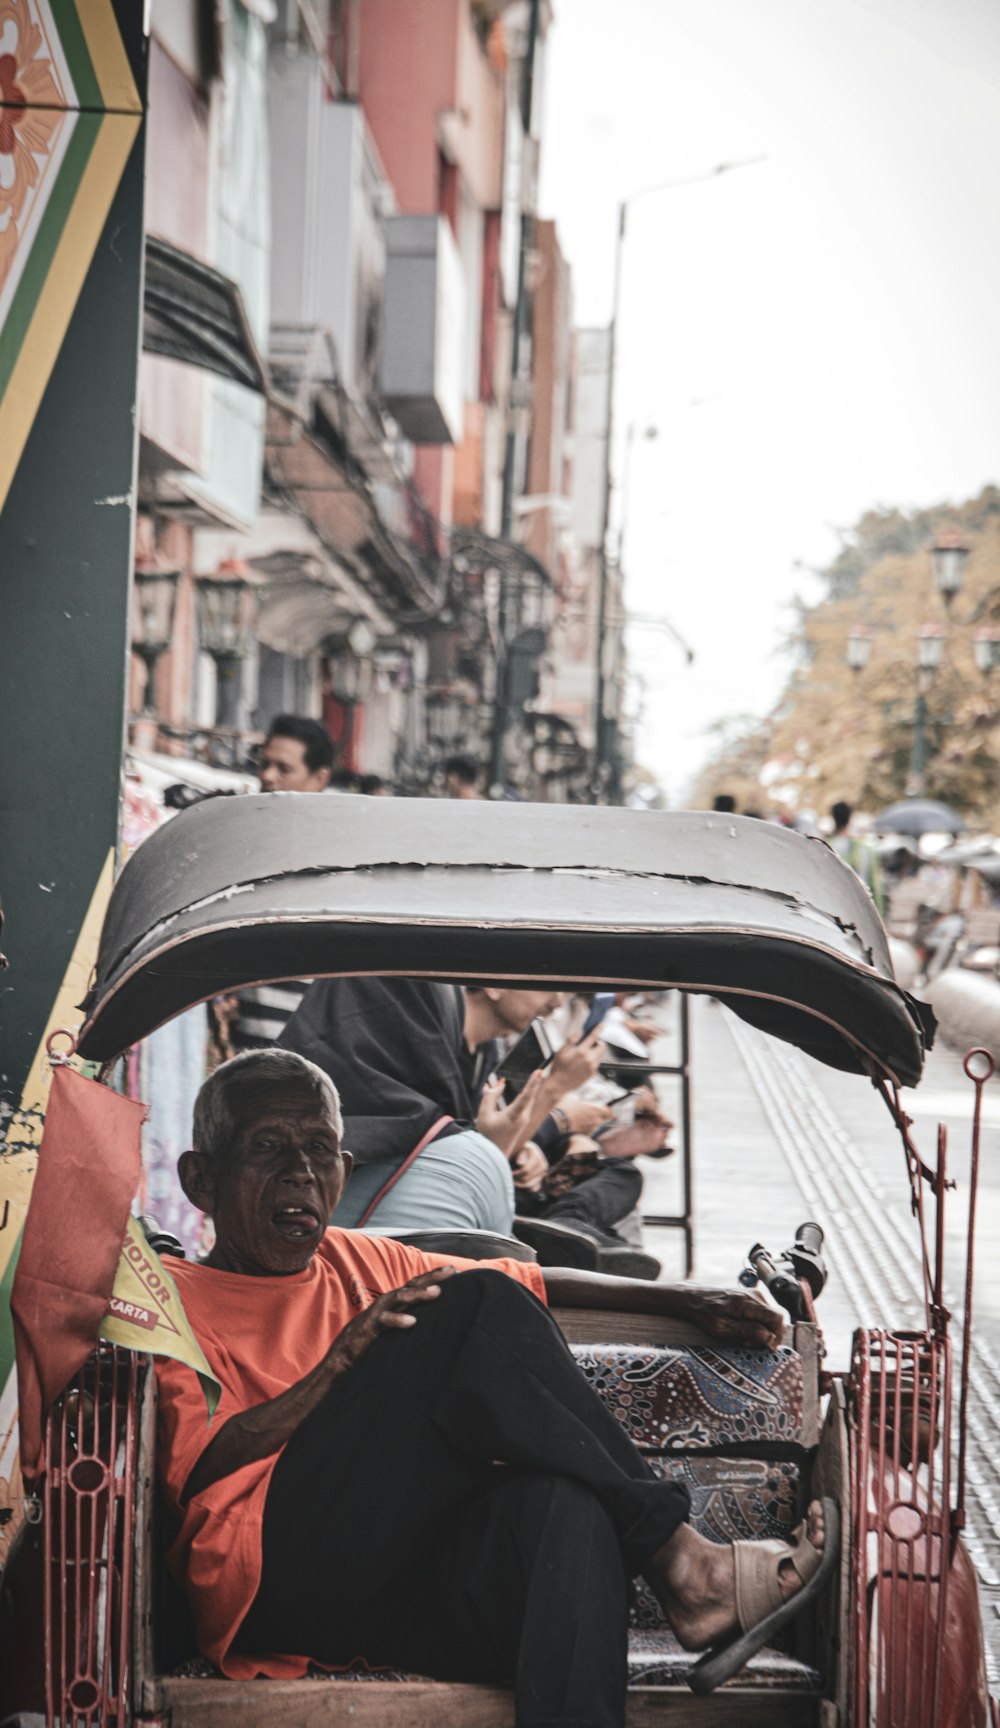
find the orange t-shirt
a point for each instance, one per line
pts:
(261, 1336)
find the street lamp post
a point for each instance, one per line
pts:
(930, 640)
(948, 556)
(859, 648)
(602, 764)
(227, 601)
(929, 643)
(153, 619)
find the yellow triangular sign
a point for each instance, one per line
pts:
(147, 1314)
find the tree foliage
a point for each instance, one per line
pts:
(842, 734)
(740, 751)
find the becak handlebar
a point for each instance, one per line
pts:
(785, 1274)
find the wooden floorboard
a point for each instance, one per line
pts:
(418, 1704)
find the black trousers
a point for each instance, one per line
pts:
(600, 1202)
(463, 1505)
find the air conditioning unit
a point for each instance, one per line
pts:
(422, 332)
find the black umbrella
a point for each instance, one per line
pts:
(919, 816)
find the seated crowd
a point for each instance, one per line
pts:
(438, 1144)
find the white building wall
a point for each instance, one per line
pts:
(329, 200)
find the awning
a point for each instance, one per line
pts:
(483, 549)
(193, 314)
(303, 604)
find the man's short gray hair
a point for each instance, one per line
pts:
(215, 1121)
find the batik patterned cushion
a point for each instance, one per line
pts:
(683, 1408)
(699, 1399)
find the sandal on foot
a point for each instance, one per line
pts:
(760, 1606)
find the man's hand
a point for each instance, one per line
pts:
(509, 1126)
(744, 1316)
(530, 1168)
(571, 1067)
(645, 1137)
(648, 1132)
(582, 1116)
(731, 1316)
(387, 1313)
(575, 1064)
(263, 1429)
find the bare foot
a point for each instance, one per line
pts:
(695, 1582)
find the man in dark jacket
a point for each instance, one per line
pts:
(435, 1145)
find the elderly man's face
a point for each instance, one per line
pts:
(272, 1191)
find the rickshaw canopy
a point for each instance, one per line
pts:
(236, 891)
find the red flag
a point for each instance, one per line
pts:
(88, 1171)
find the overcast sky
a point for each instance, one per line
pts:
(811, 335)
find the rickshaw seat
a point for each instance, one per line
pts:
(467, 1244)
(655, 1659)
(534, 1239)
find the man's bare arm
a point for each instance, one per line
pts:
(261, 1431)
(741, 1315)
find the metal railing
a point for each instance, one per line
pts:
(684, 1219)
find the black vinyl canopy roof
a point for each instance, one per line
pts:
(245, 890)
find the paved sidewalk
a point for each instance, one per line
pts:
(744, 1191)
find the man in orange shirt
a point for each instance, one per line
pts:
(406, 1464)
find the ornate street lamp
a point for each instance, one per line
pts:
(153, 618)
(859, 647)
(445, 717)
(361, 639)
(348, 665)
(948, 555)
(986, 647)
(227, 610)
(227, 613)
(349, 672)
(930, 640)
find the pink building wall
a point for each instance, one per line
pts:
(434, 101)
(407, 66)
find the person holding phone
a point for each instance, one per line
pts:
(435, 1143)
(582, 1171)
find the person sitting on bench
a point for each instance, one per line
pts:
(406, 1464)
(436, 1145)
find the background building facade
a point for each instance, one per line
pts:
(359, 397)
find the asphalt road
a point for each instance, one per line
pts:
(778, 1138)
